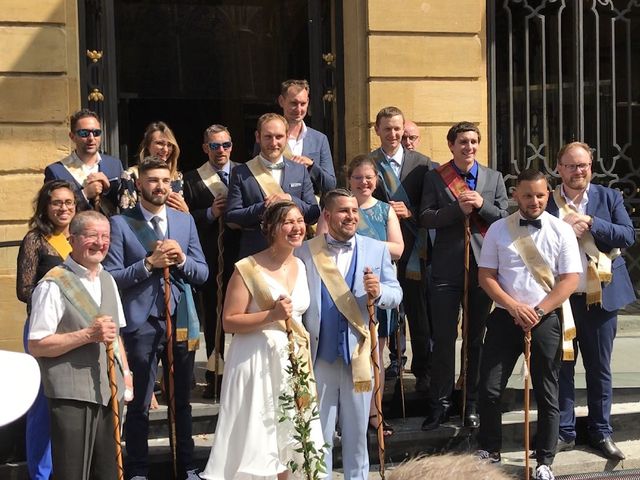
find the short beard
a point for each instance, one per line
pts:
(158, 201)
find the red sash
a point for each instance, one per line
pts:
(456, 186)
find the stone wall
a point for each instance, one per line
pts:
(39, 88)
(426, 57)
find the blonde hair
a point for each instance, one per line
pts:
(163, 128)
(441, 467)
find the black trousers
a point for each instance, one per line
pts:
(446, 301)
(145, 347)
(503, 344)
(82, 442)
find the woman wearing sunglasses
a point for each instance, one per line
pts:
(160, 141)
(44, 246)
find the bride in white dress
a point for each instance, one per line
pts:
(251, 442)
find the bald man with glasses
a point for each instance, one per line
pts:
(94, 175)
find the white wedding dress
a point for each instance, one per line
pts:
(250, 442)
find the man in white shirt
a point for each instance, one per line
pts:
(76, 311)
(522, 305)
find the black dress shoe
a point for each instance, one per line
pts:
(437, 416)
(608, 448)
(471, 420)
(564, 446)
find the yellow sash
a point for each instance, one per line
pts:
(60, 244)
(249, 270)
(539, 268)
(599, 263)
(212, 181)
(263, 177)
(348, 306)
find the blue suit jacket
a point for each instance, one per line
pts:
(245, 202)
(612, 228)
(139, 288)
(316, 147)
(110, 166)
(370, 253)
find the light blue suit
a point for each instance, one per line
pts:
(334, 381)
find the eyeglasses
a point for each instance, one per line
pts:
(359, 178)
(85, 132)
(411, 138)
(224, 145)
(60, 203)
(572, 167)
(94, 236)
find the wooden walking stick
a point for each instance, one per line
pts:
(373, 335)
(115, 408)
(169, 373)
(219, 284)
(401, 324)
(527, 378)
(465, 317)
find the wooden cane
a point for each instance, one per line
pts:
(399, 358)
(465, 317)
(97, 203)
(115, 408)
(527, 378)
(219, 287)
(169, 374)
(373, 335)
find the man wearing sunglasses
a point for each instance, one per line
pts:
(95, 176)
(205, 191)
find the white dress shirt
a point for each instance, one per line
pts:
(47, 307)
(581, 208)
(342, 255)
(555, 241)
(296, 144)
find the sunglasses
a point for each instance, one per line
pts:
(224, 145)
(85, 132)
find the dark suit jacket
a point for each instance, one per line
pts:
(139, 288)
(414, 167)
(199, 199)
(440, 210)
(110, 166)
(612, 228)
(245, 203)
(316, 147)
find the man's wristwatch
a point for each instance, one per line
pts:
(147, 264)
(540, 312)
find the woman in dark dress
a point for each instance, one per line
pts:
(44, 246)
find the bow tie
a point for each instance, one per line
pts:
(339, 244)
(275, 166)
(534, 223)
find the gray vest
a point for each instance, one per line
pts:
(81, 374)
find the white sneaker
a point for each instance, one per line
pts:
(543, 472)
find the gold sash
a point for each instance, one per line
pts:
(598, 264)
(539, 268)
(60, 244)
(348, 306)
(249, 270)
(75, 167)
(263, 177)
(212, 181)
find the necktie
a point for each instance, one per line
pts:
(223, 176)
(155, 221)
(534, 223)
(339, 244)
(275, 166)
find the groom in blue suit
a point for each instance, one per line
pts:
(143, 242)
(362, 266)
(598, 212)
